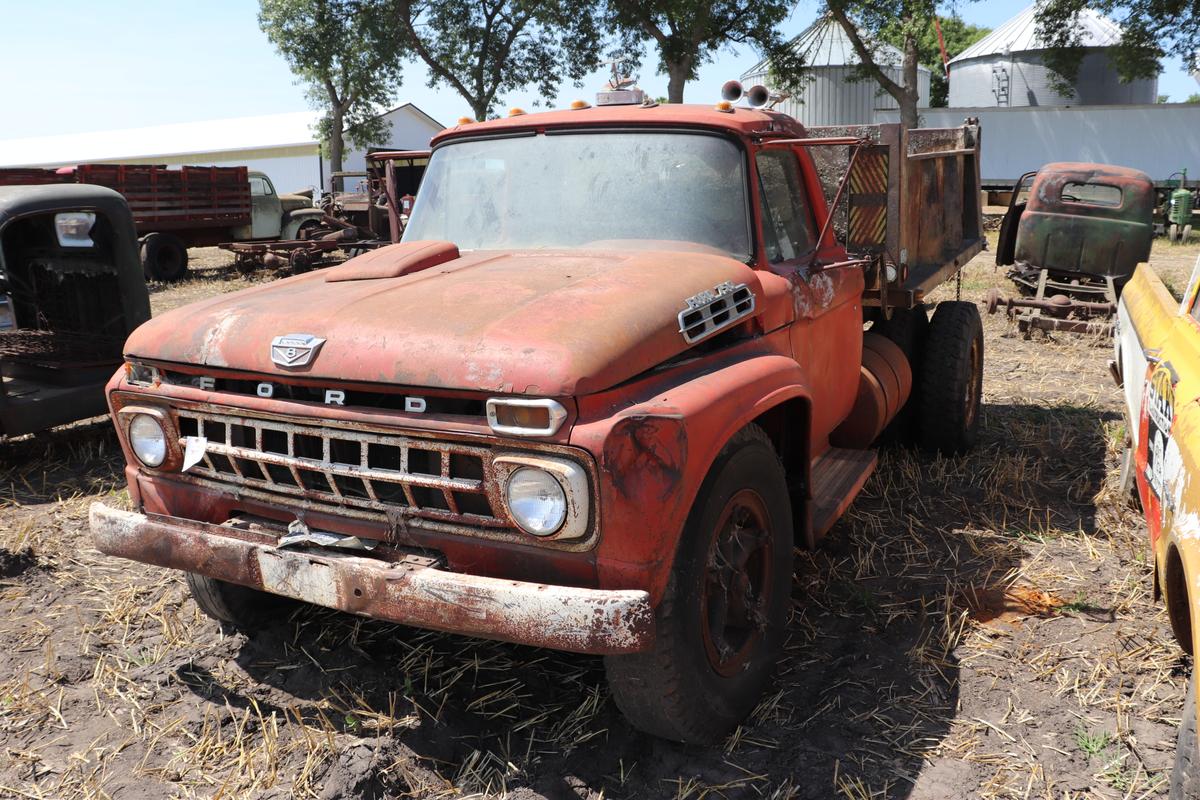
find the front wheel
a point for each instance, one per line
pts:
(1185, 778)
(720, 624)
(236, 606)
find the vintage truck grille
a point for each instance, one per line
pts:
(380, 474)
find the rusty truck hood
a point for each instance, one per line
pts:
(543, 323)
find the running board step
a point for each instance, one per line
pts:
(837, 476)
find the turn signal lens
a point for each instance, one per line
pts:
(521, 417)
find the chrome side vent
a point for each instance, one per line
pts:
(715, 309)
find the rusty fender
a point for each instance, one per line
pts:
(559, 617)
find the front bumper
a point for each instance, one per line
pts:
(604, 622)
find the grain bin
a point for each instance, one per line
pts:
(832, 93)
(1006, 69)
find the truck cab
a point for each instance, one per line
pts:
(613, 373)
(71, 290)
(274, 215)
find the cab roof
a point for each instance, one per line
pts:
(739, 121)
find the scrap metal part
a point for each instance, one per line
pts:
(409, 591)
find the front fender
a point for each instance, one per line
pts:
(295, 219)
(655, 452)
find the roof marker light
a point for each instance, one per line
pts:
(516, 112)
(465, 120)
(577, 105)
(724, 106)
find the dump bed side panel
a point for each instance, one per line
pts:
(913, 196)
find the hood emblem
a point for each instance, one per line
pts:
(295, 349)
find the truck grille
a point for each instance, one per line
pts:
(376, 475)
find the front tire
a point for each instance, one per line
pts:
(720, 624)
(951, 379)
(1185, 778)
(239, 607)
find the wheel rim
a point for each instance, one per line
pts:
(737, 583)
(971, 401)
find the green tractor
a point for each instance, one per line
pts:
(1179, 210)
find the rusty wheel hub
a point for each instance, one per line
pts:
(971, 401)
(737, 583)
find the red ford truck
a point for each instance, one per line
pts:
(615, 371)
(174, 209)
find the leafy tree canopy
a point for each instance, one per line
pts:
(958, 35)
(483, 49)
(348, 53)
(1152, 29)
(686, 34)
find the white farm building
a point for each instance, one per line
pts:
(281, 145)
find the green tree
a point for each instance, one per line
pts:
(1151, 30)
(348, 53)
(870, 24)
(958, 36)
(1191, 98)
(485, 48)
(687, 33)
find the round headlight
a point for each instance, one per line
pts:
(148, 439)
(536, 501)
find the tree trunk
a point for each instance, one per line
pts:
(480, 109)
(910, 95)
(677, 75)
(336, 146)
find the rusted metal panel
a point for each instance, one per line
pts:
(542, 615)
(1087, 219)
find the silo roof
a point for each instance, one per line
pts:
(1020, 33)
(825, 44)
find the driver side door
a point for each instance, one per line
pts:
(826, 334)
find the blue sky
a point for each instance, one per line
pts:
(78, 66)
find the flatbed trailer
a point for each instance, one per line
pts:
(198, 204)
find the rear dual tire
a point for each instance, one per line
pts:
(164, 257)
(946, 356)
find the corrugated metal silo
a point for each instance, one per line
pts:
(1005, 68)
(831, 95)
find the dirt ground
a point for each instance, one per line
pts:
(979, 627)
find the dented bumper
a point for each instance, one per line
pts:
(560, 617)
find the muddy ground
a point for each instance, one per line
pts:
(976, 627)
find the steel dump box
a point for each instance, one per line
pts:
(912, 197)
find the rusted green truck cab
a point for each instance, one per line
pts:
(1092, 220)
(1072, 237)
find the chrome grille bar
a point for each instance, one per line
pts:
(344, 467)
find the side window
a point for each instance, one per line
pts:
(787, 221)
(258, 187)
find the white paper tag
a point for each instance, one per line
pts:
(193, 451)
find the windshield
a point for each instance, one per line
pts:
(586, 190)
